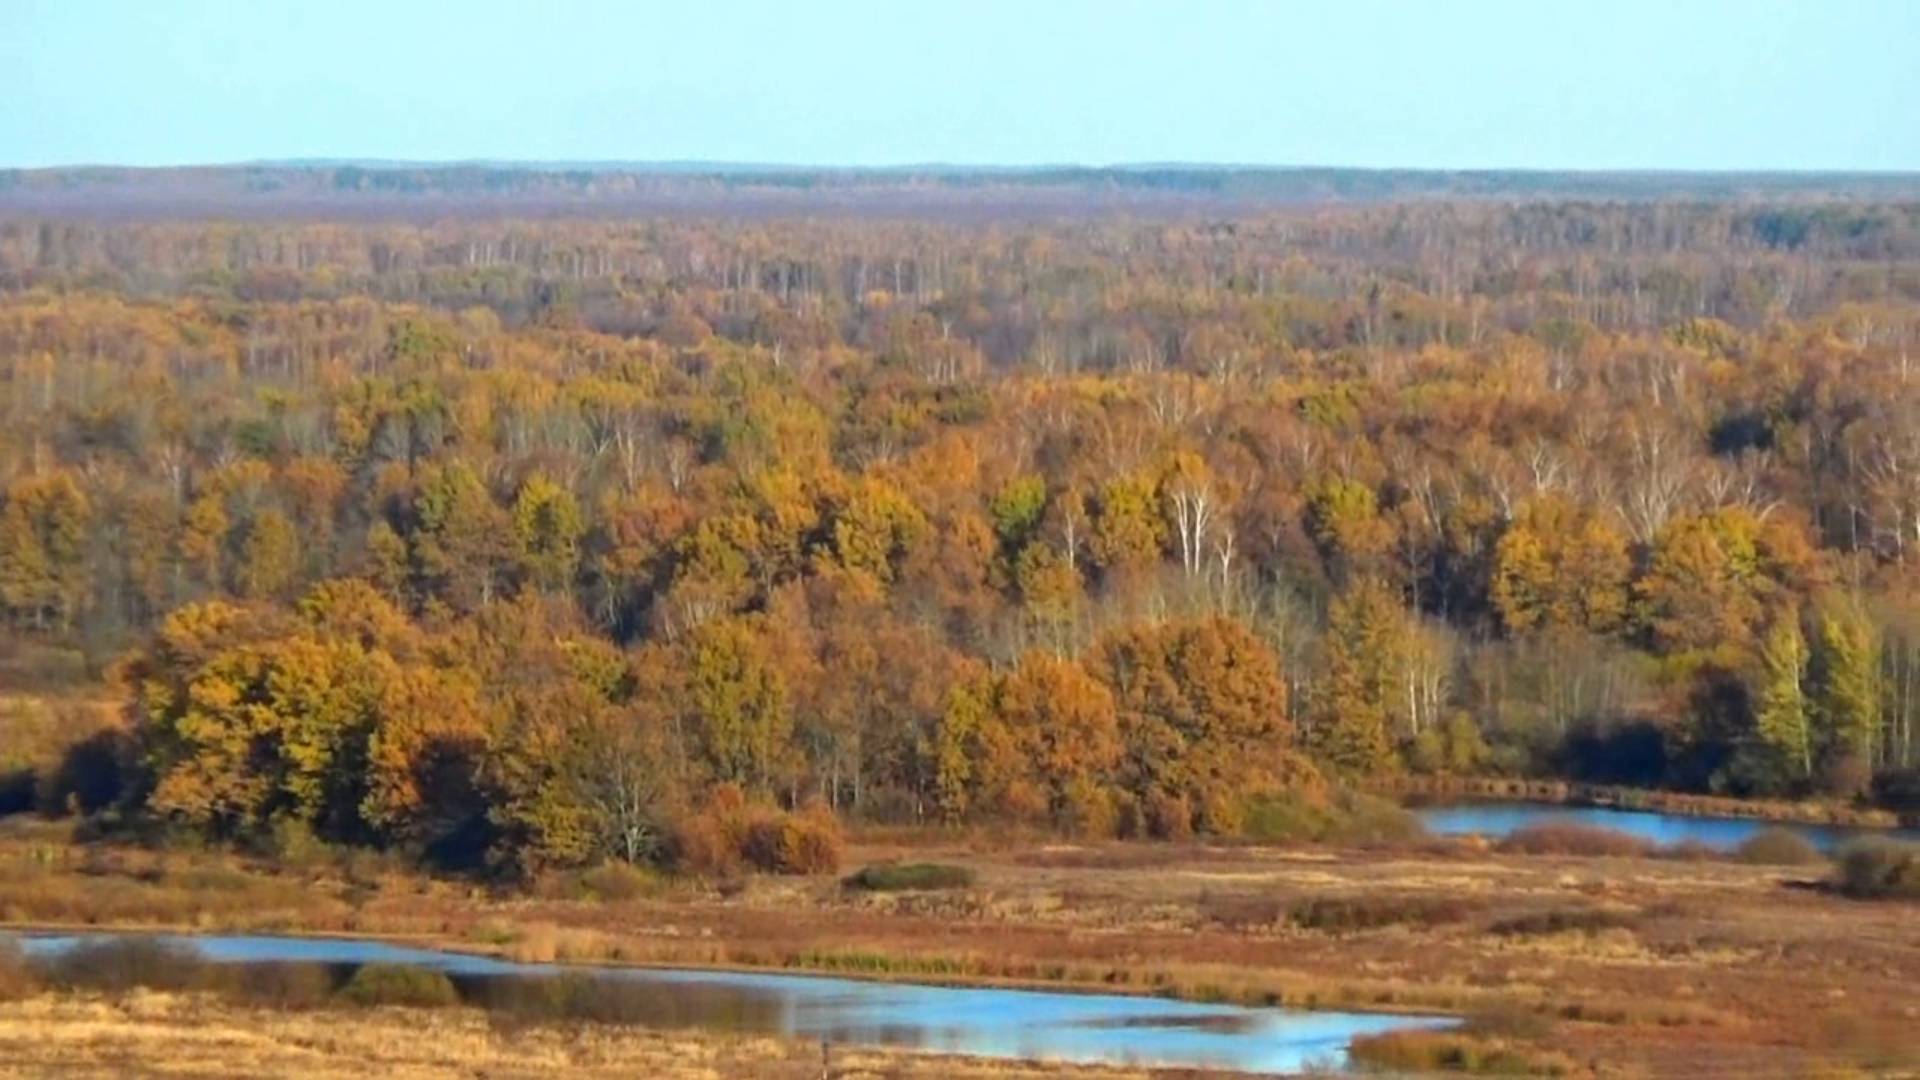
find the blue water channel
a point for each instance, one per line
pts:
(1027, 1024)
(1498, 819)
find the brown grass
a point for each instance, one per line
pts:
(1718, 961)
(1429, 1052)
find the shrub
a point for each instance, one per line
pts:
(1778, 847)
(1512, 1020)
(116, 965)
(615, 882)
(1284, 819)
(731, 832)
(400, 984)
(1425, 1052)
(809, 842)
(1557, 839)
(909, 877)
(764, 841)
(705, 843)
(280, 985)
(291, 842)
(1350, 913)
(1240, 911)
(1348, 817)
(1879, 869)
(1369, 819)
(1563, 921)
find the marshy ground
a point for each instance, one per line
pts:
(1580, 964)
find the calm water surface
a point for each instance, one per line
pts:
(988, 1022)
(1497, 819)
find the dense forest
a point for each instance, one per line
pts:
(523, 542)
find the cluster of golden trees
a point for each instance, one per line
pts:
(519, 737)
(519, 537)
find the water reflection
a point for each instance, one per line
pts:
(574, 995)
(971, 1020)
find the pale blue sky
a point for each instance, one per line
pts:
(1686, 84)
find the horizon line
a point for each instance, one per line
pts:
(749, 167)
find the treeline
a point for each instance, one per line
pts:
(517, 540)
(518, 737)
(600, 188)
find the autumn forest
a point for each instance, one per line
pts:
(526, 542)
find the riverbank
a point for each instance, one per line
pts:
(291, 972)
(1412, 789)
(543, 944)
(1627, 965)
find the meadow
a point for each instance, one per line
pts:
(1566, 955)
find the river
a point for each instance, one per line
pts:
(990, 1022)
(1498, 819)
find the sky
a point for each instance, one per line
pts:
(1568, 84)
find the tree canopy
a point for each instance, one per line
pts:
(512, 539)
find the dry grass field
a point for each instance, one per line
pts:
(1609, 965)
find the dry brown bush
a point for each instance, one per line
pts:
(1574, 840)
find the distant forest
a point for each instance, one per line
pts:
(517, 537)
(489, 189)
